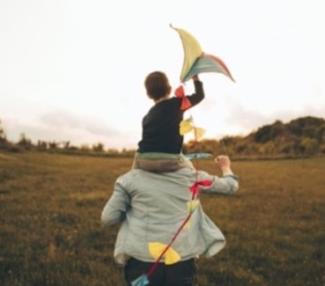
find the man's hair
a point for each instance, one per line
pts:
(157, 85)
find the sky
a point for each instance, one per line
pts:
(73, 70)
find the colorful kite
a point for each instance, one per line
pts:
(196, 61)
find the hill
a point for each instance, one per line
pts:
(300, 137)
(303, 136)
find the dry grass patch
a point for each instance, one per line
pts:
(50, 232)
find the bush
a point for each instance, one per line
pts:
(25, 142)
(2, 132)
(269, 132)
(99, 147)
(309, 146)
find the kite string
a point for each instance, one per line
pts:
(156, 263)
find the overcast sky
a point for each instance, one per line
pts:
(74, 69)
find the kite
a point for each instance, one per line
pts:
(196, 61)
(196, 156)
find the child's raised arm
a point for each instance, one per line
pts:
(198, 96)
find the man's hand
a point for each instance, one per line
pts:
(223, 162)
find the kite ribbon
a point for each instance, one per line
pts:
(180, 93)
(195, 188)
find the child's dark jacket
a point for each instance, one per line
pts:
(160, 127)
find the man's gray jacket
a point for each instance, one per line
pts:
(151, 207)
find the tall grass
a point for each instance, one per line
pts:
(50, 232)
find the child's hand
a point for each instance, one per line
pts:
(195, 77)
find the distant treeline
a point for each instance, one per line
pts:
(26, 144)
(300, 137)
(304, 136)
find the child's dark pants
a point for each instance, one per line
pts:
(179, 274)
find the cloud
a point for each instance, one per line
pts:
(246, 121)
(61, 125)
(244, 118)
(65, 126)
(67, 120)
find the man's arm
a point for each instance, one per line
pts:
(227, 184)
(117, 206)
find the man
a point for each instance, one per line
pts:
(151, 207)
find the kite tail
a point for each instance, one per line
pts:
(194, 189)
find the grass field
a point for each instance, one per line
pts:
(50, 231)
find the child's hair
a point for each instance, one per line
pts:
(157, 85)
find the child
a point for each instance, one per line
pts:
(161, 144)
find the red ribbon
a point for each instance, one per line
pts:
(195, 188)
(180, 93)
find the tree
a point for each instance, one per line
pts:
(309, 146)
(320, 133)
(4, 144)
(3, 137)
(269, 132)
(240, 147)
(25, 142)
(85, 148)
(99, 147)
(53, 145)
(305, 126)
(2, 132)
(269, 148)
(41, 145)
(66, 145)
